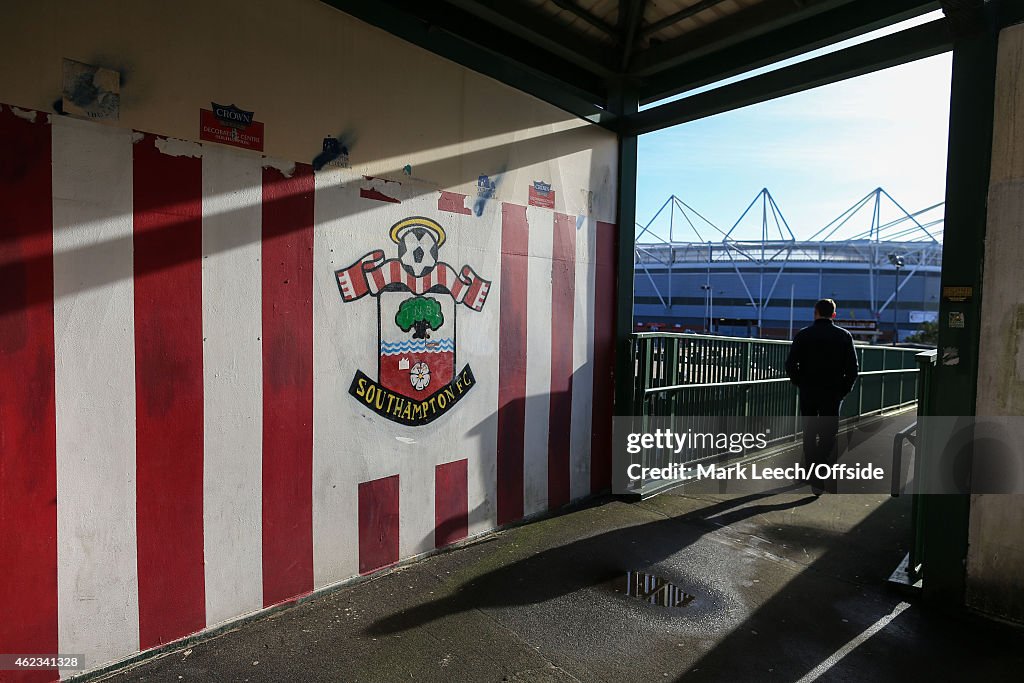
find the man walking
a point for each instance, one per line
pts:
(822, 363)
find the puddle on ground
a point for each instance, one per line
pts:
(655, 590)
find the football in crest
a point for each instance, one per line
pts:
(417, 249)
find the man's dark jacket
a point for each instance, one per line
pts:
(822, 360)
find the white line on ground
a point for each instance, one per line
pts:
(834, 659)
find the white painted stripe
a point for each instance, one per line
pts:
(416, 496)
(833, 659)
(339, 328)
(538, 355)
(232, 384)
(582, 361)
(476, 420)
(97, 576)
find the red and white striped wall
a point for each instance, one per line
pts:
(178, 447)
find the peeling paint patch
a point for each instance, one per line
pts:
(179, 148)
(453, 202)
(287, 168)
(380, 189)
(137, 136)
(27, 114)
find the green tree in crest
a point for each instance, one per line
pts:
(419, 313)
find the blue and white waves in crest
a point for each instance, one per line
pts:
(446, 345)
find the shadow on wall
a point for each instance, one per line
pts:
(515, 488)
(19, 159)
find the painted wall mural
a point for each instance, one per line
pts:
(418, 298)
(194, 428)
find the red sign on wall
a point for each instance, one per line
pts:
(213, 129)
(542, 195)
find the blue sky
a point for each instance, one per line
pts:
(818, 151)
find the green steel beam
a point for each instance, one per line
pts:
(747, 24)
(914, 43)
(713, 56)
(486, 49)
(678, 16)
(631, 13)
(585, 14)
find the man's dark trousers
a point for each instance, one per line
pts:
(820, 411)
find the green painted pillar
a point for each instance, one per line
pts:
(624, 102)
(943, 520)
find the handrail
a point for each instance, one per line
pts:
(906, 434)
(716, 337)
(708, 385)
(758, 340)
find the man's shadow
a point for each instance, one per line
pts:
(587, 562)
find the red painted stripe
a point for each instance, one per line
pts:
(28, 450)
(378, 278)
(563, 294)
(168, 233)
(287, 384)
(456, 287)
(378, 524)
(512, 362)
(604, 359)
(451, 503)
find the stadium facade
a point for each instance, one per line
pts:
(756, 279)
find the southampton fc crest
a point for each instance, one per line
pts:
(418, 300)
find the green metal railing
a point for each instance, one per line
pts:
(713, 380)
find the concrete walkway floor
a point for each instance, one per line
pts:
(785, 587)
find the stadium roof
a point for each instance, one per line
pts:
(874, 218)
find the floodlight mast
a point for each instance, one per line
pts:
(897, 261)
